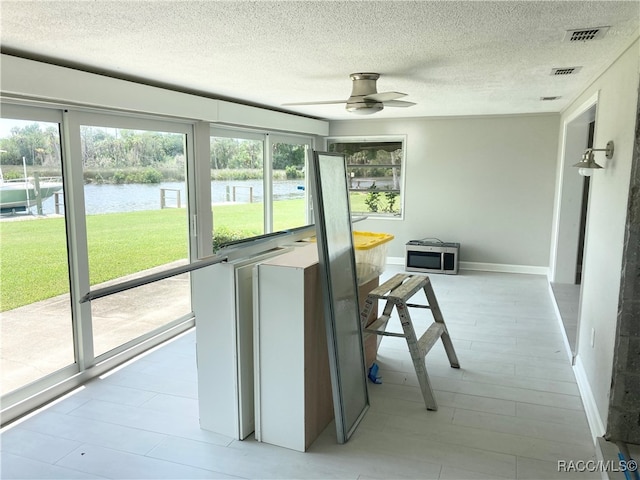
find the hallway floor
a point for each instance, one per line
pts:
(512, 410)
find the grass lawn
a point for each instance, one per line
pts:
(33, 258)
(33, 253)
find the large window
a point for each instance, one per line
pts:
(374, 168)
(290, 199)
(237, 186)
(259, 184)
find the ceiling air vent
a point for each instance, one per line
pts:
(585, 34)
(547, 99)
(565, 71)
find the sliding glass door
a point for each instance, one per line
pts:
(89, 200)
(137, 223)
(36, 319)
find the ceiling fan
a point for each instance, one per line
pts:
(365, 99)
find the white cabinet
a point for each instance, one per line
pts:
(292, 380)
(223, 306)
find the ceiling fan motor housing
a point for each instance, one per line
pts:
(363, 84)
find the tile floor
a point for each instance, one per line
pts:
(511, 411)
(567, 297)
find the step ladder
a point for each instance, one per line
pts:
(396, 291)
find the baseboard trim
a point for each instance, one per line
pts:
(596, 425)
(487, 267)
(504, 268)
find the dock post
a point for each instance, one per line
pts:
(56, 202)
(36, 181)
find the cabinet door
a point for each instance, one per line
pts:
(279, 356)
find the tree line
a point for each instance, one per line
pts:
(104, 148)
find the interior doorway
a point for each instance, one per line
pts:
(571, 222)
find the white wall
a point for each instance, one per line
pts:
(617, 91)
(486, 182)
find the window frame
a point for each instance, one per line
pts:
(402, 139)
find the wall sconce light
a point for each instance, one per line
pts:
(588, 165)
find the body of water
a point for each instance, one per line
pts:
(108, 198)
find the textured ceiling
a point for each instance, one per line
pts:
(451, 58)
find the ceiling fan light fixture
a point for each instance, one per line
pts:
(364, 98)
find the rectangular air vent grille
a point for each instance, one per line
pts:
(585, 34)
(565, 70)
(547, 99)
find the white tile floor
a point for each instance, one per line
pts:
(511, 411)
(567, 298)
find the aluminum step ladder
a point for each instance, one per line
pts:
(396, 291)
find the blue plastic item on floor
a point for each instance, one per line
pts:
(373, 374)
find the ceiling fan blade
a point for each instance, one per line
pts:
(398, 103)
(327, 102)
(384, 96)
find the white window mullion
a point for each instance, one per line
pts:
(199, 181)
(267, 184)
(77, 238)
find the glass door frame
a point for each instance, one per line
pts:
(76, 119)
(52, 115)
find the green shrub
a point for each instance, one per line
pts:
(373, 199)
(151, 175)
(236, 174)
(119, 177)
(292, 173)
(12, 175)
(223, 235)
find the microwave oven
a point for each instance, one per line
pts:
(432, 257)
